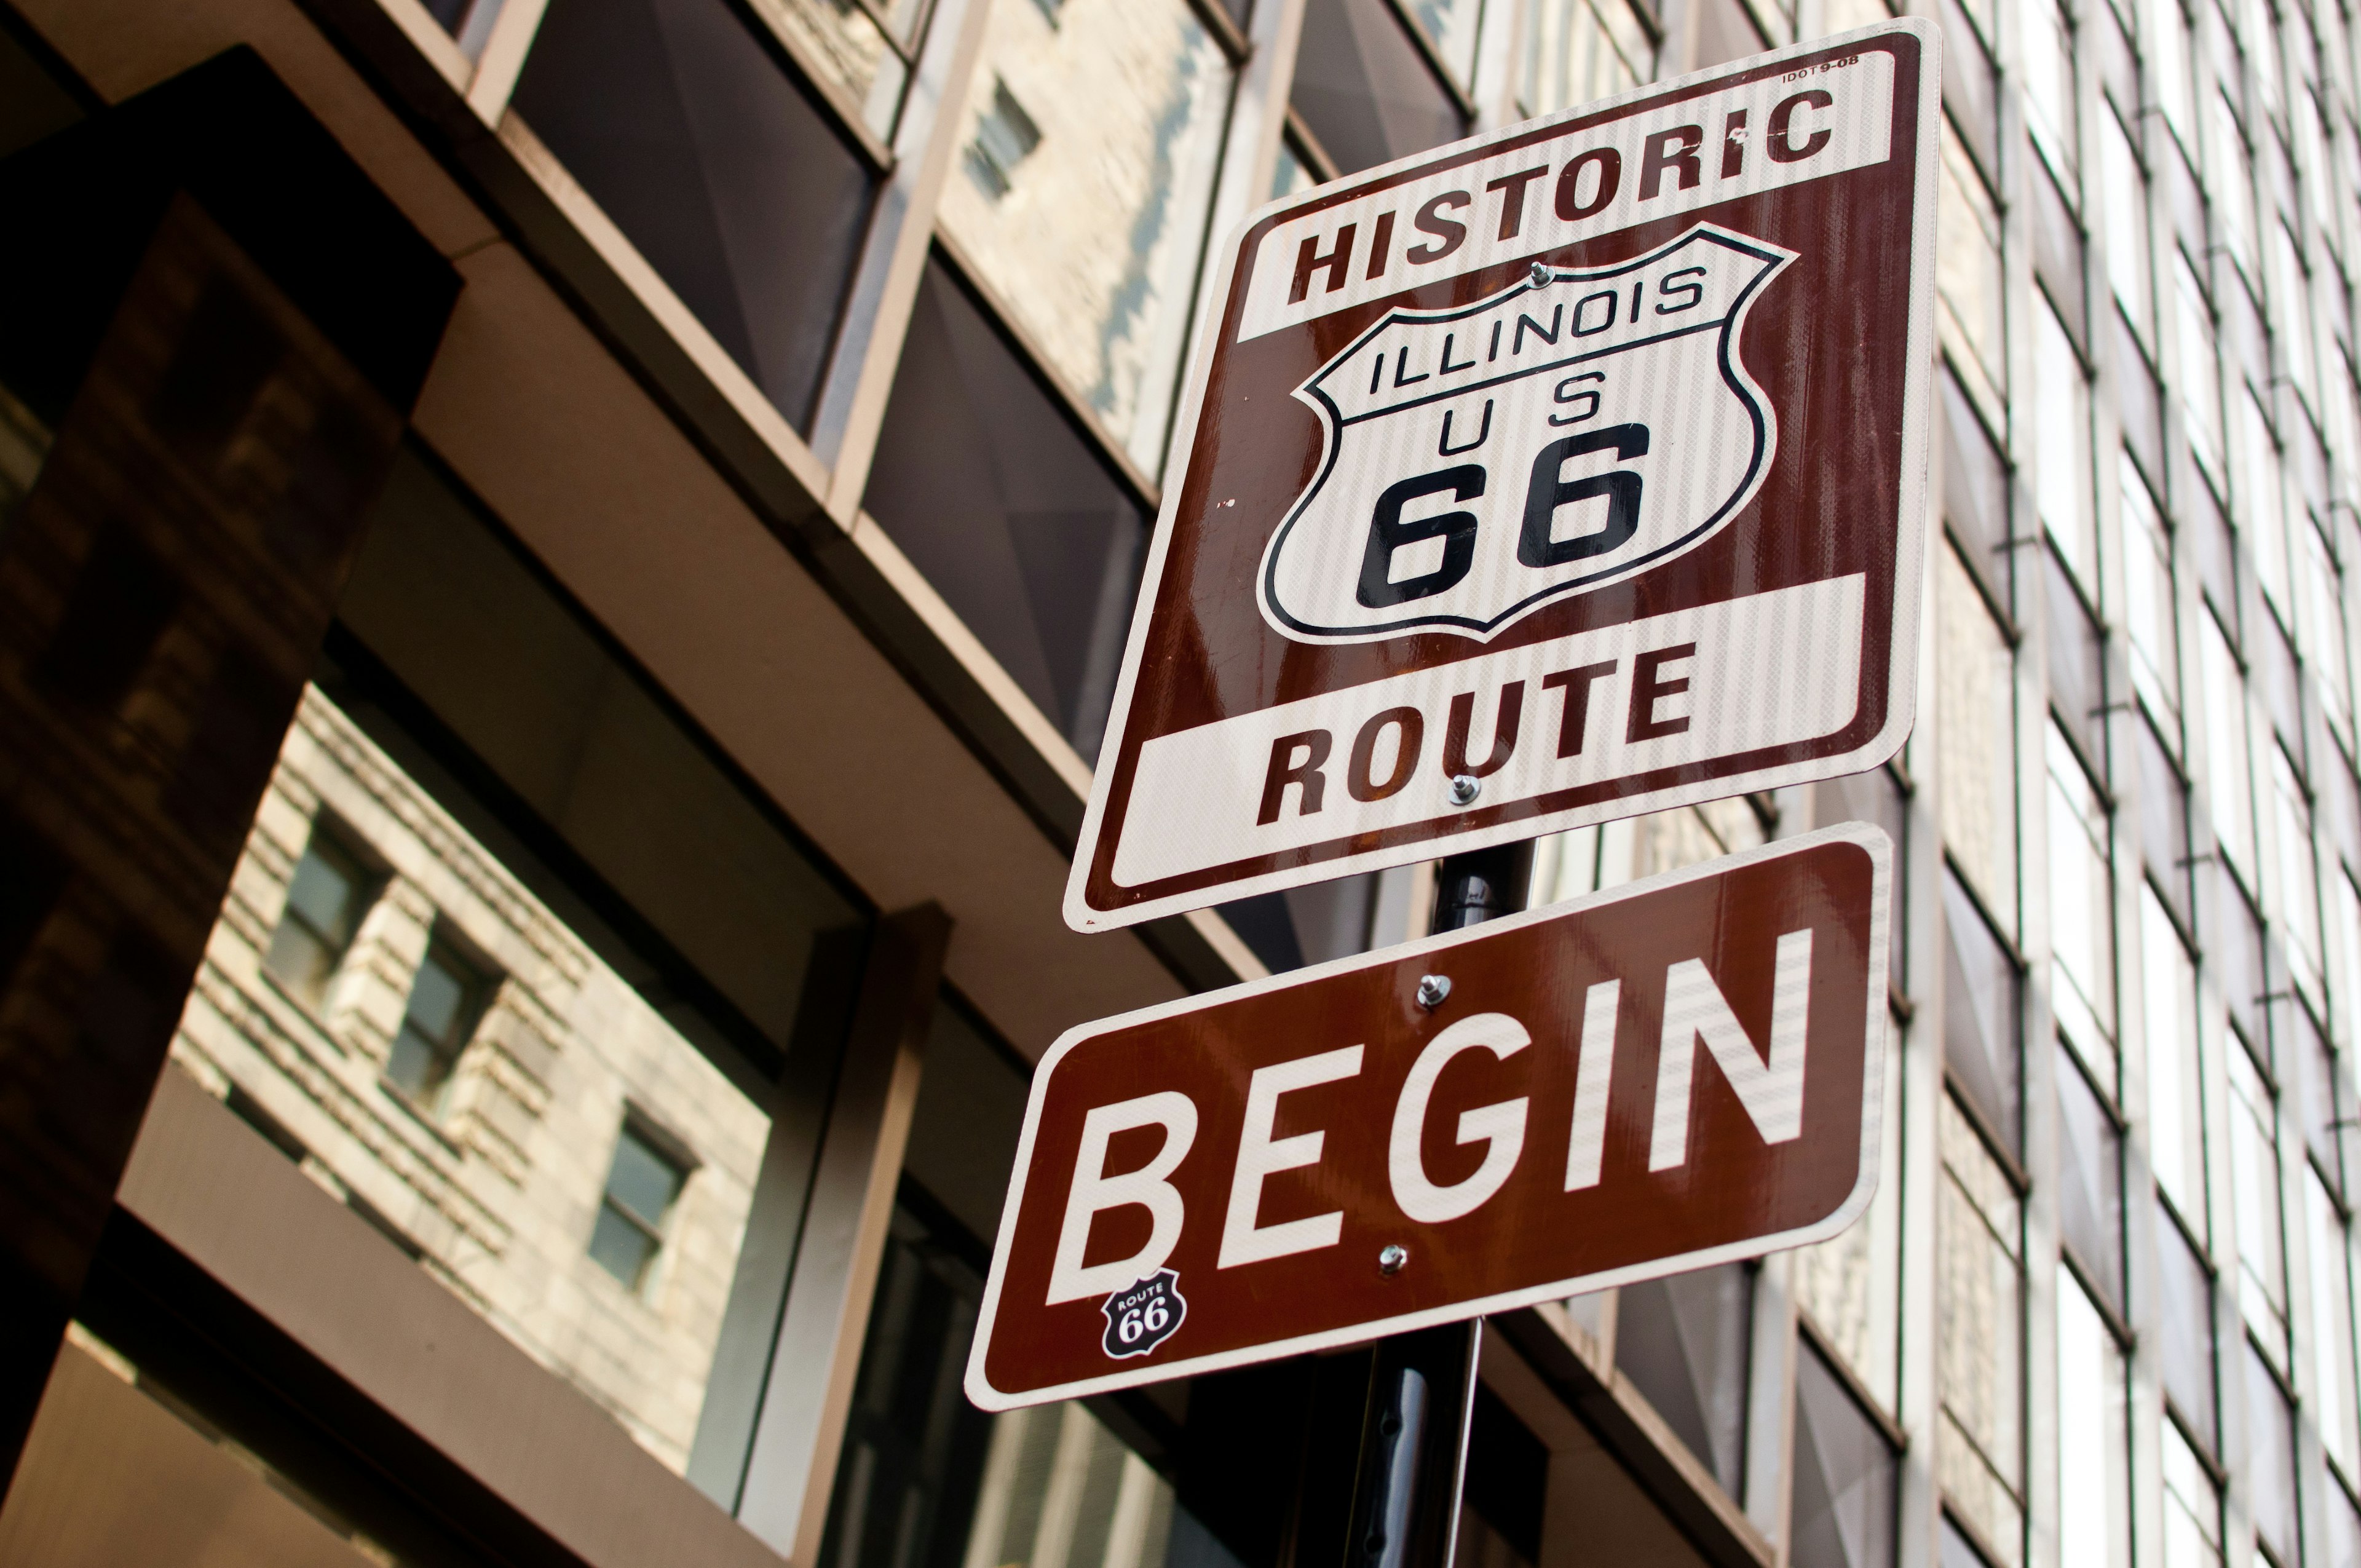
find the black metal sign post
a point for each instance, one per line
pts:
(1414, 1454)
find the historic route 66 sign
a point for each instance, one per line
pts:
(1573, 428)
(1583, 465)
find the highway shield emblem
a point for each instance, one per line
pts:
(1571, 430)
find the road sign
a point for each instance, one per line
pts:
(1668, 1076)
(1583, 465)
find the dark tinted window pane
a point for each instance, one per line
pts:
(2187, 1342)
(1979, 1016)
(324, 902)
(1683, 1342)
(970, 1115)
(2078, 693)
(1306, 925)
(1364, 89)
(2091, 1183)
(1844, 1498)
(994, 495)
(689, 132)
(1975, 486)
(1507, 1481)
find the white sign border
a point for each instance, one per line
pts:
(1902, 654)
(1867, 836)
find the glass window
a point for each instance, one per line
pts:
(1968, 276)
(1364, 89)
(1004, 506)
(1578, 51)
(2291, 310)
(1978, 1454)
(2345, 900)
(1507, 1489)
(2168, 32)
(2061, 434)
(1093, 137)
(326, 900)
(446, 997)
(1842, 1514)
(2081, 910)
(2192, 1508)
(642, 1185)
(680, 121)
(1683, 1342)
(2047, 43)
(2149, 608)
(2319, 611)
(2200, 380)
(865, 47)
(1975, 487)
(2123, 195)
(2175, 1104)
(2322, 1102)
(611, 923)
(2090, 1176)
(2264, 513)
(1451, 27)
(2332, 1322)
(2186, 1344)
(1293, 173)
(2233, 183)
(1975, 740)
(2270, 1462)
(1981, 1016)
(2093, 1437)
(2298, 886)
(2254, 1185)
(2229, 779)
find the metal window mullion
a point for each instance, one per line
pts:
(848, 409)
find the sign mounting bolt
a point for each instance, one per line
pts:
(1391, 1257)
(1541, 276)
(1432, 990)
(1465, 788)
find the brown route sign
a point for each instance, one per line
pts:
(1668, 1076)
(1586, 461)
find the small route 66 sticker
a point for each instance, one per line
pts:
(1141, 1317)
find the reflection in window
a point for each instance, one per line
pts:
(1580, 50)
(1008, 511)
(1450, 26)
(1364, 89)
(1093, 141)
(1980, 1447)
(1982, 1053)
(865, 47)
(468, 21)
(678, 120)
(642, 1185)
(2091, 1183)
(2093, 1437)
(325, 899)
(1968, 276)
(1293, 173)
(1683, 1342)
(1975, 735)
(2047, 43)
(575, 891)
(1843, 1515)
(446, 997)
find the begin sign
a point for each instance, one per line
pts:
(1668, 1076)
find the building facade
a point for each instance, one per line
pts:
(566, 562)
